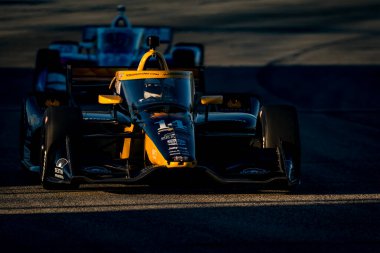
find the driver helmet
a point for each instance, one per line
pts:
(152, 88)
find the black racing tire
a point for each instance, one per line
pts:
(184, 56)
(60, 134)
(280, 129)
(46, 59)
(22, 131)
(22, 137)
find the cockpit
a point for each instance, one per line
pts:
(167, 88)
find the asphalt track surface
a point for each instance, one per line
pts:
(335, 209)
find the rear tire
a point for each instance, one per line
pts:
(184, 55)
(22, 132)
(22, 142)
(280, 130)
(46, 59)
(61, 128)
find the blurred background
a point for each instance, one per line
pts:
(235, 33)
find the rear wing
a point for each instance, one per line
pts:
(165, 33)
(90, 35)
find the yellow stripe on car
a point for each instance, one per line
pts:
(135, 74)
(124, 154)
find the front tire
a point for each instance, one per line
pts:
(280, 130)
(22, 133)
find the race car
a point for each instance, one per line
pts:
(121, 44)
(118, 125)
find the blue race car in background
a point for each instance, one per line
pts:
(121, 44)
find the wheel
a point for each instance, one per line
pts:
(61, 128)
(280, 130)
(22, 132)
(22, 139)
(46, 59)
(188, 55)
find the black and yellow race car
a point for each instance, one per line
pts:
(117, 125)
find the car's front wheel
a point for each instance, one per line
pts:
(280, 130)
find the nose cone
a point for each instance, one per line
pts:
(172, 140)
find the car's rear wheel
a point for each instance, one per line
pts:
(47, 58)
(188, 55)
(24, 151)
(61, 129)
(280, 130)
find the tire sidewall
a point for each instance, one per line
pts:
(280, 129)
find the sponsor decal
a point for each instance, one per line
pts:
(176, 142)
(168, 136)
(176, 124)
(234, 103)
(59, 166)
(178, 150)
(175, 133)
(180, 158)
(61, 163)
(59, 176)
(133, 74)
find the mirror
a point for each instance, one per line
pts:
(109, 99)
(212, 100)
